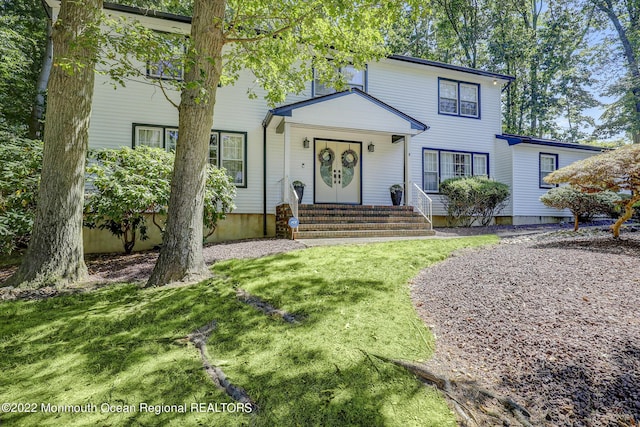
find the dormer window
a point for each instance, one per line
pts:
(353, 77)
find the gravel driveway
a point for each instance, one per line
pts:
(550, 320)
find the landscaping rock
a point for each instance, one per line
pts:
(549, 319)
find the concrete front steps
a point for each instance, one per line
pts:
(344, 221)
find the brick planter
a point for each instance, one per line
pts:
(283, 213)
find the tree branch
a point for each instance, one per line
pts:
(259, 37)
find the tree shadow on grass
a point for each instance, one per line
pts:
(124, 346)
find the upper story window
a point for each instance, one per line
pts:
(226, 149)
(172, 66)
(548, 163)
(354, 78)
(439, 165)
(458, 98)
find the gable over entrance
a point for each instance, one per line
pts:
(351, 109)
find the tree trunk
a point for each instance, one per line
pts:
(55, 254)
(37, 113)
(628, 213)
(181, 254)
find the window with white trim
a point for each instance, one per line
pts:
(149, 136)
(458, 98)
(480, 165)
(232, 158)
(548, 164)
(430, 171)
(227, 149)
(448, 97)
(354, 78)
(171, 67)
(454, 165)
(439, 165)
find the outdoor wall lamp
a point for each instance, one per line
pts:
(371, 148)
(305, 142)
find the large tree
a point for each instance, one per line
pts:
(181, 255)
(544, 45)
(541, 43)
(624, 114)
(281, 42)
(55, 254)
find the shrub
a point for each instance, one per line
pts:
(20, 166)
(617, 170)
(473, 199)
(125, 186)
(583, 206)
(218, 198)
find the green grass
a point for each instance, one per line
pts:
(121, 345)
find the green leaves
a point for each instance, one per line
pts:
(20, 164)
(473, 199)
(128, 189)
(22, 40)
(617, 170)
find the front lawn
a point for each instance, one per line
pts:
(123, 347)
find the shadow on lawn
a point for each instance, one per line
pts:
(128, 346)
(581, 395)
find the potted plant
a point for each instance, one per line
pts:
(299, 187)
(396, 191)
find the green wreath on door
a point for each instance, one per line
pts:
(349, 163)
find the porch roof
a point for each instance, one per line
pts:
(351, 108)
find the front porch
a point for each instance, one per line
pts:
(347, 149)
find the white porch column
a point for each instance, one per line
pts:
(408, 185)
(287, 162)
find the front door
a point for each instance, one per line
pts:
(338, 172)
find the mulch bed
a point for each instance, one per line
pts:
(550, 320)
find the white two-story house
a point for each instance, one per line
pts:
(404, 121)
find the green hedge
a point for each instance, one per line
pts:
(472, 200)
